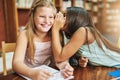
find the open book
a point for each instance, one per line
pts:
(57, 74)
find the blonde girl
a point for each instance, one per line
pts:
(34, 42)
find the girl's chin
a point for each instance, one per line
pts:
(46, 30)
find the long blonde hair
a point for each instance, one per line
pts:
(30, 26)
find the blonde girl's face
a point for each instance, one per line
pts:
(44, 19)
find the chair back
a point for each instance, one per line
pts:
(7, 48)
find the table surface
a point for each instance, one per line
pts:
(87, 73)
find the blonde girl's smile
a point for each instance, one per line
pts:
(43, 20)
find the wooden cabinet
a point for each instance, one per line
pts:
(22, 16)
(2, 22)
(11, 20)
(14, 18)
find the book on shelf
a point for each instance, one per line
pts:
(24, 3)
(79, 3)
(66, 3)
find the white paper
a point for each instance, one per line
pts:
(57, 74)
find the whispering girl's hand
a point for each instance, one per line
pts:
(59, 21)
(83, 61)
(67, 71)
(65, 68)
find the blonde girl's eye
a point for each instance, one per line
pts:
(41, 16)
(51, 17)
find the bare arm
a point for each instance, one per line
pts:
(77, 40)
(64, 53)
(18, 59)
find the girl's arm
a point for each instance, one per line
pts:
(77, 40)
(64, 53)
(18, 61)
(19, 55)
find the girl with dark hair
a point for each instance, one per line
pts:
(83, 39)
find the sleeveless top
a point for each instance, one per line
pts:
(43, 54)
(97, 56)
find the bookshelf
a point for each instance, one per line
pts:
(20, 12)
(105, 14)
(92, 6)
(16, 15)
(24, 4)
(61, 5)
(23, 7)
(110, 19)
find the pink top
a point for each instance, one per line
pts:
(43, 54)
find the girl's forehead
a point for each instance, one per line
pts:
(46, 9)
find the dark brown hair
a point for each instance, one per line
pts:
(77, 17)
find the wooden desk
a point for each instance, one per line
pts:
(88, 73)
(93, 73)
(12, 76)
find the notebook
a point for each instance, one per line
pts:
(57, 74)
(115, 74)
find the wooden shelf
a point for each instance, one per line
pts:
(11, 20)
(16, 17)
(23, 8)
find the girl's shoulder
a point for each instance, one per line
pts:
(22, 34)
(88, 34)
(22, 38)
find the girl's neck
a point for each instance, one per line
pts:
(42, 37)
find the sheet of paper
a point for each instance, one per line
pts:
(57, 74)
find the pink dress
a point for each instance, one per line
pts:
(43, 54)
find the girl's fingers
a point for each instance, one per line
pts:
(83, 62)
(65, 75)
(69, 68)
(46, 74)
(67, 71)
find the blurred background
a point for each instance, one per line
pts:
(105, 14)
